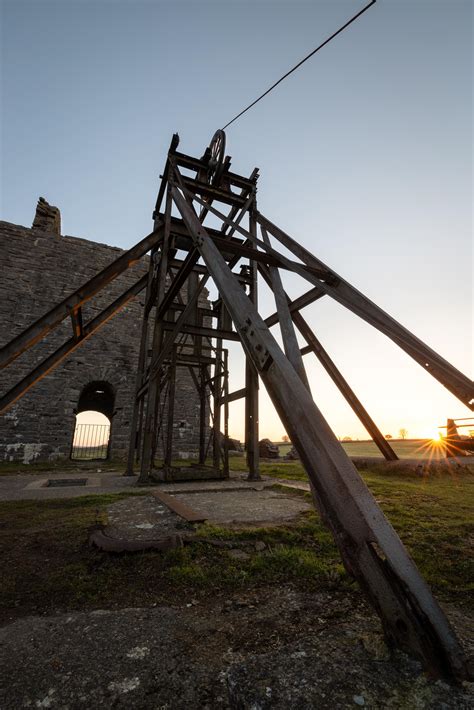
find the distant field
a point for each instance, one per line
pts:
(408, 449)
(89, 453)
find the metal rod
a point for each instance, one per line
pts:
(251, 378)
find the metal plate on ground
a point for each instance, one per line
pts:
(63, 482)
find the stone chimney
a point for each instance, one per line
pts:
(47, 218)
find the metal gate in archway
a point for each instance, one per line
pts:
(91, 442)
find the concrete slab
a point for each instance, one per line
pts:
(245, 506)
(35, 486)
(142, 518)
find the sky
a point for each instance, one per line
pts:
(365, 157)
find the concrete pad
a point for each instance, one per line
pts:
(151, 518)
(142, 518)
(244, 506)
(35, 486)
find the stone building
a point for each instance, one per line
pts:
(39, 267)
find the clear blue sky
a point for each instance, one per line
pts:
(365, 155)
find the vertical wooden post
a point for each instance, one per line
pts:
(217, 394)
(150, 424)
(202, 414)
(170, 416)
(251, 377)
(137, 412)
(226, 413)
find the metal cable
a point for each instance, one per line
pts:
(326, 41)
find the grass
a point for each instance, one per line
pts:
(405, 449)
(48, 566)
(12, 468)
(410, 448)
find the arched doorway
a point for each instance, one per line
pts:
(95, 409)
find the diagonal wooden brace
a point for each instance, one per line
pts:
(370, 548)
(342, 291)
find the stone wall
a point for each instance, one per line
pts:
(38, 269)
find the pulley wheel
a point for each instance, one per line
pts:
(216, 161)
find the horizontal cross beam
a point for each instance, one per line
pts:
(234, 396)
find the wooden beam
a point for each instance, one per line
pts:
(50, 320)
(344, 387)
(336, 376)
(457, 383)
(369, 546)
(69, 346)
(234, 396)
(290, 341)
(301, 302)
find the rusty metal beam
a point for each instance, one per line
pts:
(370, 548)
(252, 426)
(137, 405)
(76, 321)
(50, 320)
(69, 346)
(202, 331)
(152, 395)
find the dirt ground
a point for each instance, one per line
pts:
(242, 617)
(275, 648)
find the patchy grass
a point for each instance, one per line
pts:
(12, 468)
(431, 513)
(48, 566)
(405, 449)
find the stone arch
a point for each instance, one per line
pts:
(98, 396)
